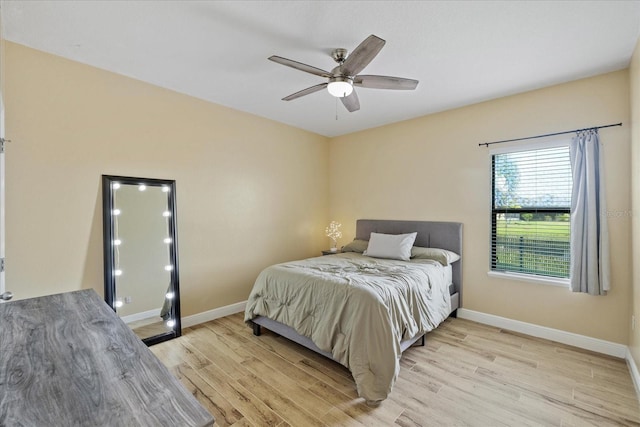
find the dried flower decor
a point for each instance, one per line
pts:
(334, 233)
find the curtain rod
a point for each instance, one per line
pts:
(486, 144)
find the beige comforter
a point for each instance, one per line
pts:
(357, 308)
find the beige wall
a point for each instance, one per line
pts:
(250, 191)
(634, 76)
(431, 168)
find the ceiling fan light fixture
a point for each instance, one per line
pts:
(340, 87)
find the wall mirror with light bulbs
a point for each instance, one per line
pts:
(141, 255)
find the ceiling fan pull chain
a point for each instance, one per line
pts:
(336, 108)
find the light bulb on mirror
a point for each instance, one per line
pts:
(167, 240)
(166, 214)
(117, 242)
(165, 189)
(117, 212)
(142, 187)
(118, 272)
(169, 295)
(115, 185)
(168, 267)
(118, 303)
(171, 323)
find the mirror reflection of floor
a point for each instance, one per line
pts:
(144, 329)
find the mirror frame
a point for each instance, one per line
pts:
(109, 250)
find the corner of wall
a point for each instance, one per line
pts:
(633, 357)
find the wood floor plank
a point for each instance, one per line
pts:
(223, 411)
(216, 339)
(379, 416)
(169, 353)
(290, 387)
(545, 385)
(254, 409)
(442, 358)
(464, 409)
(279, 402)
(423, 407)
(466, 374)
(411, 418)
(273, 343)
(504, 350)
(607, 402)
(493, 398)
(281, 365)
(490, 393)
(621, 382)
(560, 400)
(408, 383)
(355, 408)
(329, 372)
(228, 360)
(479, 330)
(336, 417)
(192, 356)
(244, 423)
(235, 322)
(540, 405)
(458, 348)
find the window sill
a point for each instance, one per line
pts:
(564, 283)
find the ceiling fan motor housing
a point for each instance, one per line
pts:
(339, 55)
(345, 79)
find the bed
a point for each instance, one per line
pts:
(360, 311)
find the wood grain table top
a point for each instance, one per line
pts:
(68, 360)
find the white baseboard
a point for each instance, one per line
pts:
(136, 317)
(635, 374)
(569, 338)
(216, 313)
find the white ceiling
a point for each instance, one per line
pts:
(462, 52)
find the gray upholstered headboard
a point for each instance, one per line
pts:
(431, 234)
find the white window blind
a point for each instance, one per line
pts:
(530, 215)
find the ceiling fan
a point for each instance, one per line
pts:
(344, 77)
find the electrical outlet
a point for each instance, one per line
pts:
(127, 300)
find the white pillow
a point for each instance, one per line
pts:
(392, 246)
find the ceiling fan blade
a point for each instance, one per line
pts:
(306, 91)
(362, 55)
(351, 102)
(299, 66)
(385, 82)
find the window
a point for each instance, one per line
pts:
(530, 214)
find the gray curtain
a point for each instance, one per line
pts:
(589, 231)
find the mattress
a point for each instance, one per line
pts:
(356, 308)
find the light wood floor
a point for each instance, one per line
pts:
(467, 374)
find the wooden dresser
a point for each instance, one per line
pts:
(68, 360)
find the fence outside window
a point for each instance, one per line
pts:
(543, 257)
